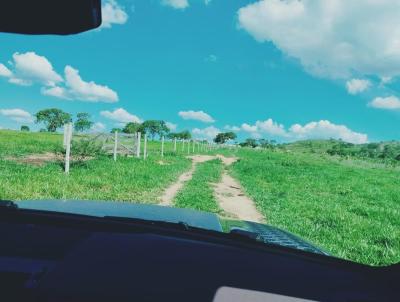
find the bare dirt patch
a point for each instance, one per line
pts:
(37, 159)
(234, 202)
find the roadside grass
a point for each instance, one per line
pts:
(16, 143)
(353, 212)
(127, 179)
(198, 193)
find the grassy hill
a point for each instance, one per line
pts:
(347, 203)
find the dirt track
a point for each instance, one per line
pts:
(228, 192)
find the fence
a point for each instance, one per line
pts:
(136, 145)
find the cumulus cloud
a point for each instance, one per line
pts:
(98, 127)
(334, 39)
(388, 103)
(17, 115)
(196, 115)
(207, 133)
(322, 129)
(232, 128)
(120, 115)
(176, 4)
(87, 91)
(112, 13)
(171, 126)
(325, 129)
(4, 71)
(29, 68)
(355, 86)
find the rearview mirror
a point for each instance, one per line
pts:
(60, 17)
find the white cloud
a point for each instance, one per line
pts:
(211, 58)
(176, 4)
(17, 115)
(120, 115)
(335, 39)
(322, 129)
(196, 115)
(389, 103)
(4, 71)
(87, 91)
(57, 92)
(31, 68)
(208, 133)
(171, 126)
(112, 13)
(325, 129)
(207, 2)
(98, 127)
(355, 86)
(232, 128)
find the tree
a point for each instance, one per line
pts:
(113, 130)
(133, 128)
(155, 127)
(82, 122)
(53, 118)
(25, 128)
(222, 138)
(250, 142)
(180, 135)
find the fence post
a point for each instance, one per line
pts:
(188, 148)
(194, 143)
(138, 138)
(175, 144)
(183, 145)
(162, 146)
(67, 140)
(115, 145)
(145, 146)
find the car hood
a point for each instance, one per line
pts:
(192, 218)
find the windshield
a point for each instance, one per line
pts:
(274, 112)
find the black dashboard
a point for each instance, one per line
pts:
(46, 256)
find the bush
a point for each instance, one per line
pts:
(25, 128)
(86, 148)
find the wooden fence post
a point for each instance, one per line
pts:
(175, 144)
(67, 140)
(162, 146)
(183, 145)
(145, 147)
(188, 148)
(115, 145)
(138, 141)
(193, 142)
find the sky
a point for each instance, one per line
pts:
(274, 69)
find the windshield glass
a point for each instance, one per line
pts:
(273, 112)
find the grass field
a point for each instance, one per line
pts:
(128, 179)
(348, 206)
(198, 193)
(351, 211)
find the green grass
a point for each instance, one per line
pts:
(15, 143)
(198, 193)
(351, 211)
(128, 179)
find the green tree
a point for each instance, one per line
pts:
(222, 138)
(25, 128)
(250, 142)
(133, 128)
(180, 135)
(53, 118)
(155, 127)
(113, 130)
(82, 122)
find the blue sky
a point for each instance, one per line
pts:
(272, 69)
